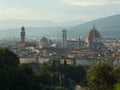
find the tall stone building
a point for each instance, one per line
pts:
(21, 44)
(79, 43)
(23, 34)
(64, 38)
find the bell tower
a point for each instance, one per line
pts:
(23, 34)
(64, 38)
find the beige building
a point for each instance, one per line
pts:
(33, 59)
(20, 45)
(27, 60)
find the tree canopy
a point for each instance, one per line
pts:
(101, 77)
(8, 58)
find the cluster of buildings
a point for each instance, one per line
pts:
(68, 51)
(92, 41)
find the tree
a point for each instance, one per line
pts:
(8, 63)
(117, 73)
(13, 77)
(100, 77)
(4, 80)
(71, 74)
(117, 77)
(8, 58)
(60, 88)
(26, 69)
(44, 74)
(117, 86)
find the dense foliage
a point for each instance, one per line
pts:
(34, 76)
(100, 77)
(103, 76)
(8, 59)
(117, 77)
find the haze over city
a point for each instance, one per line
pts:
(57, 10)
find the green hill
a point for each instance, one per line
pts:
(108, 26)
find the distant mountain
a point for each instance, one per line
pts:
(108, 26)
(33, 32)
(71, 23)
(6, 24)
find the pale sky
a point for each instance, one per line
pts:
(57, 10)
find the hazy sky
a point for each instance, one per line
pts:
(57, 10)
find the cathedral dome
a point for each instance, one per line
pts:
(44, 42)
(44, 39)
(92, 35)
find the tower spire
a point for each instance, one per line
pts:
(79, 43)
(93, 27)
(64, 38)
(23, 34)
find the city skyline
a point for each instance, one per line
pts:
(57, 10)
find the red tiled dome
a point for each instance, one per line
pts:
(92, 34)
(44, 39)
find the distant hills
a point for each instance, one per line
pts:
(33, 32)
(108, 26)
(7, 24)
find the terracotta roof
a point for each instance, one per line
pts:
(44, 39)
(93, 33)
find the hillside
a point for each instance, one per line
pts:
(33, 32)
(6, 24)
(108, 26)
